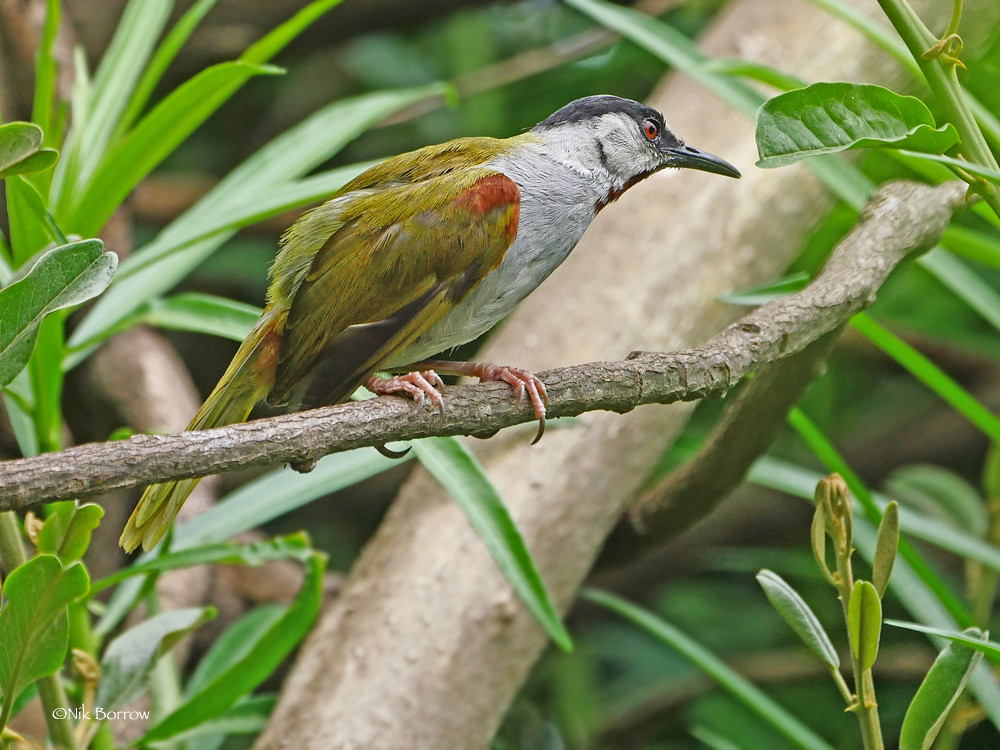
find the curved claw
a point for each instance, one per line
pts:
(419, 386)
(521, 381)
(389, 452)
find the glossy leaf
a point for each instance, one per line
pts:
(460, 474)
(864, 620)
(886, 546)
(738, 686)
(34, 622)
(248, 673)
(130, 658)
(21, 150)
(940, 493)
(828, 117)
(799, 616)
(937, 694)
(67, 529)
(293, 546)
(62, 277)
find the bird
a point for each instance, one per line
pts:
(422, 252)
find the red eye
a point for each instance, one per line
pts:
(652, 129)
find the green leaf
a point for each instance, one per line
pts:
(154, 138)
(964, 282)
(886, 546)
(864, 619)
(973, 641)
(160, 61)
(756, 72)
(460, 474)
(249, 716)
(234, 645)
(828, 117)
(742, 690)
(930, 375)
(202, 313)
(293, 546)
(66, 532)
(31, 226)
(130, 658)
(62, 277)
(249, 672)
(268, 46)
(938, 692)
(196, 234)
(940, 493)
(21, 150)
(799, 616)
(253, 504)
(986, 173)
(34, 622)
(759, 295)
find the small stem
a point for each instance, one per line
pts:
(956, 17)
(845, 691)
(50, 689)
(943, 81)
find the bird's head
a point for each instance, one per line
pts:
(627, 140)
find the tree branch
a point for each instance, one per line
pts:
(901, 218)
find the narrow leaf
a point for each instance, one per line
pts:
(66, 532)
(938, 692)
(153, 139)
(760, 295)
(249, 716)
(460, 474)
(799, 616)
(742, 690)
(62, 277)
(828, 117)
(234, 645)
(864, 619)
(972, 640)
(248, 673)
(940, 493)
(34, 622)
(130, 658)
(276, 40)
(886, 546)
(986, 173)
(293, 546)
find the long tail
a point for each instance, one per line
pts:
(246, 381)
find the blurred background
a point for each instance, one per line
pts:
(511, 64)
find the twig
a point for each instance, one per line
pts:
(902, 217)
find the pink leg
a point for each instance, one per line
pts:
(520, 380)
(417, 385)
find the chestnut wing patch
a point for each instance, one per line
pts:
(400, 259)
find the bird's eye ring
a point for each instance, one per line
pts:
(651, 129)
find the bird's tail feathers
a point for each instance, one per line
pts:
(246, 381)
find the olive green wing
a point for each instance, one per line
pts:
(396, 260)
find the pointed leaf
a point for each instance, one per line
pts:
(234, 645)
(460, 474)
(799, 616)
(62, 277)
(293, 546)
(864, 619)
(249, 716)
(973, 641)
(66, 532)
(828, 117)
(34, 622)
(130, 658)
(937, 694)
(764, 293)
(202, 313)
(886, 545)
(154, 138)
(940, 493)
(248, 673)
(21, 150)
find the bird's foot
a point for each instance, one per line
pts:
(420, 386)
(520, 380)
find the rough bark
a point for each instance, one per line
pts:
(902, 217)
(427, 645)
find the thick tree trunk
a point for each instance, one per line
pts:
(427, 645)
